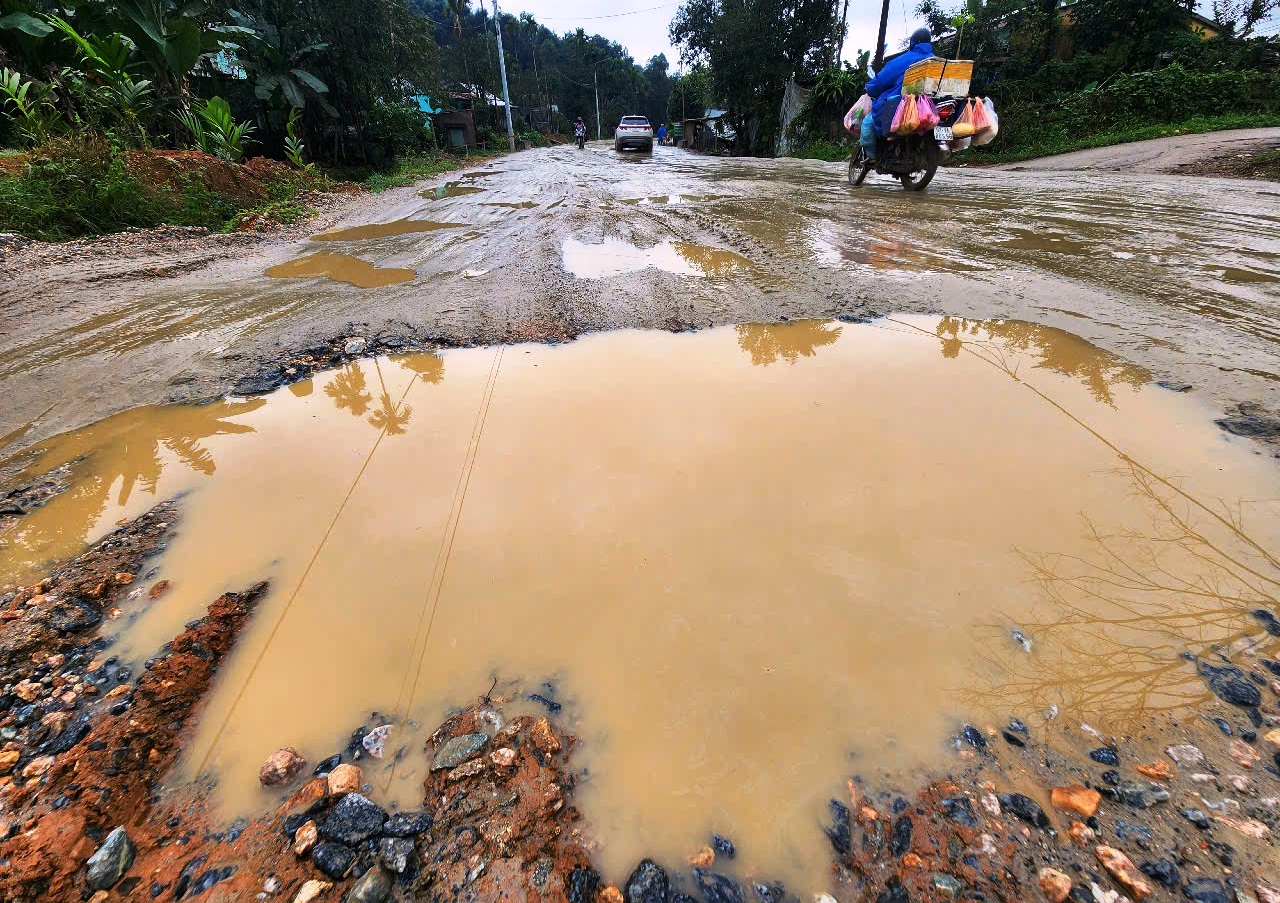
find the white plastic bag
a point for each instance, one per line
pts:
(853, 119)
(959, 144)
(987, 136)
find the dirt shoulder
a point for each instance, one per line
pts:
(1210, 153)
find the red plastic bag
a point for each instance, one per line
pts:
(906, 121)
(981, 120)
(928, 113)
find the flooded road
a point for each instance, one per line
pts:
(1181, 275)
(748, 561)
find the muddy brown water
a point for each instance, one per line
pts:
(341, 268)
(751, 561)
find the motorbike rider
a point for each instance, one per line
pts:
(580, 131)
(885, 90)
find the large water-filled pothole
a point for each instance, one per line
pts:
(615, 257)
(752, 560)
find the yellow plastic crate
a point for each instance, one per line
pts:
(938, 76)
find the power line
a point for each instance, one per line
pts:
(609, 16)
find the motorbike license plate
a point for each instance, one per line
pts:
(942, 133)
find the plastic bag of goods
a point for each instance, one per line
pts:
(853, 119)
(959, 144)
(964, 127)
(928, 113)
(988, 135)
(906, 121)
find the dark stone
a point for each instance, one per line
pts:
(960, 810)
(900, 805)
(210, 878)
(396, 853)
(1105, 755)
(1205, 890)
(334, 859)
(647, 884)
(1136, 833)
(770, 893)
(110, 861)
(1139, 797)
(1250, 426)
(718, 888)
(1230, 684)
(1013, 739)
(840, 832)
(900, 838)
(187, 875)
(948, 885)
(1174, 386)
(1111, 777)
(459, 750)
(1255, 717)
(328, 765)
(71, 615)
(293, 823)
(71, 736)
(552, 707)
(1197, 818)
(354, 819)
(1248, 736)
(971, 735)
(894, 892)
(723, 846)
(1273, 667)
(267, 381)
(678, 897)
(583, 885)
(1223, 725)
(1019, 727)
(408, 824)
(1270, 622)
(373, 887)
(1163, 871)
(1025, 808)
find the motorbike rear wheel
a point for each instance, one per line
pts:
(919, 181)
(858, 168)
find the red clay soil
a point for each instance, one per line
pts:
(247, 184)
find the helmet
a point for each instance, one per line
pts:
(921, 36)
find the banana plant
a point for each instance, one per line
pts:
(215, 130)
(31, 105)
(277, 68)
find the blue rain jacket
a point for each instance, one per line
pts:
(885, 89)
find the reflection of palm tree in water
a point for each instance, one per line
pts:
(767, 342)
(1056, 349)
(429, 367)
(113, 458)
(347, 389)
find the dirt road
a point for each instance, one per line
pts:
(1183, 154)
(1179, 275)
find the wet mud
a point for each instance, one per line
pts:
(341, 268)
(1172, 273)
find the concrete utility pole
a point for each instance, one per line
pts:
(502, 67)
(595, 80)
(878, 63)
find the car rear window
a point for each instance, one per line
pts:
(634, 120)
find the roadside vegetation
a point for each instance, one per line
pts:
(1106, 72)
(116, 114)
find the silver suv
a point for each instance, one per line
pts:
(633, 131)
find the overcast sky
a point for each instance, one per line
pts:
(641, 25)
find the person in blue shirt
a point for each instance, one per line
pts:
(662, 133)
(885, 90)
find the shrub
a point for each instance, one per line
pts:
(399, 128)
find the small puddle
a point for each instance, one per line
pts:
(450, 190)
(384, 230)
(613, 257)
(341, 268)
(752, 561)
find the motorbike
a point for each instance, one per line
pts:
(582, 141)
(914, 159)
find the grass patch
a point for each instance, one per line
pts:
(822, 149)
(418, 167)
(1263, 166)
(1051, 145)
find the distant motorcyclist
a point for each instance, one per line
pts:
(885, 89)
(580, 132)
